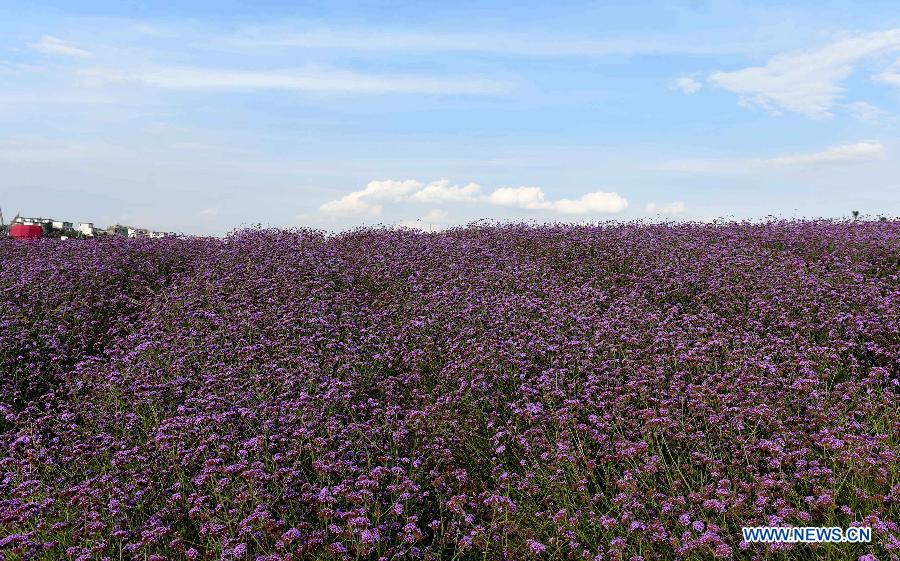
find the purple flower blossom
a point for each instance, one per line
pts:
(369, 536)
(536, 546)
(387, 393)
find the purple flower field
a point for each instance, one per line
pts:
(624, 392)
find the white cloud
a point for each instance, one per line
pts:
(592, 203)
(808, 82)
(688, 85)
(358, 202)
(867, 112)
(528, 198)
(309, 79)
(864, 151)
(389, 189)
(533, 198)
(214, 211)
(49, 45)
(891, 75)
(350, 205)
(861, 152)
(676, 207)
(441, 191)
(9, 67)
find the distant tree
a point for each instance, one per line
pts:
(855, 214)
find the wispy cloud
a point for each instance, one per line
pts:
(890, 75)
(862, 152)
(310, 79)
(369, 201)
(7, 66)
(50, 45)
(867, 112)
(213, 211)
(524, 44)
(807, 82)
(687, 85)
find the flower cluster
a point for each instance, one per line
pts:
(610, 392)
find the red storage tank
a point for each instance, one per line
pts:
(26, 231)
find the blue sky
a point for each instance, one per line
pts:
(202, 117)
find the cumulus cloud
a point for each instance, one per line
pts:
(687, 85)
(360, 202)
(807, 82)
(441, 192)
(527, 198)
(676, 207)
(592, 203)
(50, 45)
(389, 189)
(533, 198)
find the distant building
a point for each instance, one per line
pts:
(117, 230)
(64, 229)
(22, 231)
(30, 221)
(86, 229)
(45, 224)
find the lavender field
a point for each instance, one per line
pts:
(625, 392)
